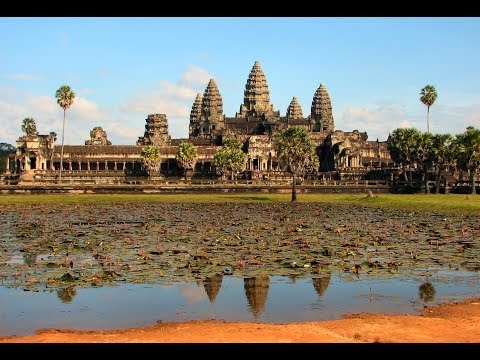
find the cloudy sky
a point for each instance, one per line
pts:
(123, 69)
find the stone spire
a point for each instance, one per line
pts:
(212, 104)
(294, 110)
(212, 286)
(195, 115)
(156, 131)
(256, 101)
(321, 114)
(256, 290)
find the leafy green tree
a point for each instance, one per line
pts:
(467, 148)
(442, 155)
(423, 157)
(297, 153)
(151, 159)
(65, 97)
(186, 156)
(29, 127)
(403, 144)
(428, 95)
(230, 158)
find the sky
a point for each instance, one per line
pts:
(123, 69)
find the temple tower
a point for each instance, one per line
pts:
(156, 131)
(321, 115)
(195, 115)
(212, 119)
(256, 101)
(294, 110)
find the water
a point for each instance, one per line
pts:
(272, 299)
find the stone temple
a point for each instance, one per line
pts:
(342, 154)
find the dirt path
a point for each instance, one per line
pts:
(446, 323)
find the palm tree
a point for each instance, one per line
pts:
(186, 156)
(467, 151)
(442, 155)
(29, 127)
(297, 153)
(403, 144)
(64, 96)
(151, 159)
(428, 97)
(230, 157)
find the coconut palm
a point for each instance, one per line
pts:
(428, 97)
(297, 153)
(29, 127)
(65, 97)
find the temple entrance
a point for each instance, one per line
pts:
(33, 163)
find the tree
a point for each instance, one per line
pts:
(65, 97)
(442, 155)
(29, 127)
(151, 159)
(403, 146)
(428, 97)
(297, 153)
(230, 158)
(186, 156)
(423, 157)
(467, 149)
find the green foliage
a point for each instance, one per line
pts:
(186, 155)
(65, 97)
(151, 159)
(29, 127)
(5, 150)
(467, 149)
(230, 158)
(296, 151)
(428, 95)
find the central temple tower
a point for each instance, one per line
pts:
(256, 100)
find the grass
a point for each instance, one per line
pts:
(420, 202)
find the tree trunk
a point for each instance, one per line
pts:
(294, 188)
(472, 179)
(428, 119)
(61, 153)
(439, 177)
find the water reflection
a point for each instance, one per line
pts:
(256, 290)
(67, 294)
(426, 292)
(321, 284)
(212, 286)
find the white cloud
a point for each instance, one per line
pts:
(173, 99)
(378, 122)
(28, 77)
(193, 294)
(195, 76)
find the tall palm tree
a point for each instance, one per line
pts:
(428, 97)
(64, 96)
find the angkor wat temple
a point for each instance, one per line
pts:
(342, 155)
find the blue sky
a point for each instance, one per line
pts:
(123, 69)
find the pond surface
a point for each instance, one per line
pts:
(273, 299)
(121, 265)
